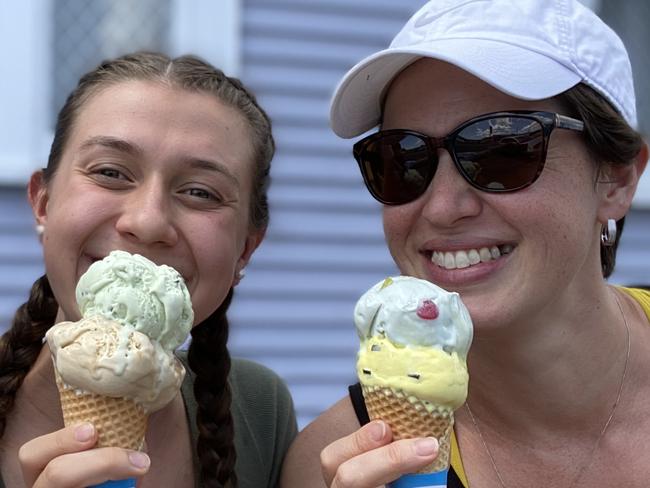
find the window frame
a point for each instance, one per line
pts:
(207, 28)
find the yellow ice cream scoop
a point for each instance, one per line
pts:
(412, 360)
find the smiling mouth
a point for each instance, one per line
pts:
(94, 259)
(466, 258)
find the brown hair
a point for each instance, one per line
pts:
(208, 355)
(609, 139)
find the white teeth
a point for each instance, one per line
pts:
(485, 255)
(450, 263)
(470, 257)
(462, 260)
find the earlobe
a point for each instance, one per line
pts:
(38, 197)
(253, 240)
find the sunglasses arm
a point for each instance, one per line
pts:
(564, 122)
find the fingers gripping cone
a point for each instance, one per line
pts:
(119, 422)
(410, 417)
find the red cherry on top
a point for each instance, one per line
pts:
(427, 310)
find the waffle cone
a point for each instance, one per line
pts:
(120, 422)
(410, 417)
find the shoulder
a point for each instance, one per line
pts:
(249, 378)
(641, 296)
(302, 465)
(245, 369)
(261, 397)
(265, 422)
(337, 421)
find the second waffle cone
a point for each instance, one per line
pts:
(410, 417)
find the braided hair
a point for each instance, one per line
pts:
(208, 354)
(21, 344)
(208, 357)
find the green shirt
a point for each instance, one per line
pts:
(265, 421)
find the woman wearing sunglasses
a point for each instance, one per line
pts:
(506, 159)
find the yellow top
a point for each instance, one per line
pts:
(641, 296)
(456, 460)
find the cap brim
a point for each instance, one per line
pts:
(356, 104)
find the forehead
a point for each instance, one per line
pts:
(160, 117)
(432, 94)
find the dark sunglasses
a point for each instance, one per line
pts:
(496, 152)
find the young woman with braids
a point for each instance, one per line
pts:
(168, 158)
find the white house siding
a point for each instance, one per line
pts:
(324, 246)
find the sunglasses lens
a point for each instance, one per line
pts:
(396, 166)
(501, 153)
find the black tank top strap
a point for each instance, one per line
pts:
(356, 396)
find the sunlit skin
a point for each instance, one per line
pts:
(154, 170)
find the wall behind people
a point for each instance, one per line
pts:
(324, 246)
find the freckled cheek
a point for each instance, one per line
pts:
(397, 228)
(398, 222)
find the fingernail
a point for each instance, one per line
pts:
(84, 432)
(426, 446)
(377, 431)
(139, 459)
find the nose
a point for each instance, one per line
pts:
(449, 198)
(146, 216)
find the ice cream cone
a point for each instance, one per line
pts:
(409, 416)
(120, 422)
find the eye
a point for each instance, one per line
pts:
(110, 172)
(202, 196)
(111, 176)
(200, 193)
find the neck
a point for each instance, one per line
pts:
(541, 365)
(39, 388)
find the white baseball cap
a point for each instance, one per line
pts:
(529, 49)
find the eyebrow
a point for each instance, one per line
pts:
(134, 150)
(113, 143)
(216, 166)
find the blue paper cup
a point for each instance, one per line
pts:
(127, 483)
(421, 480)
